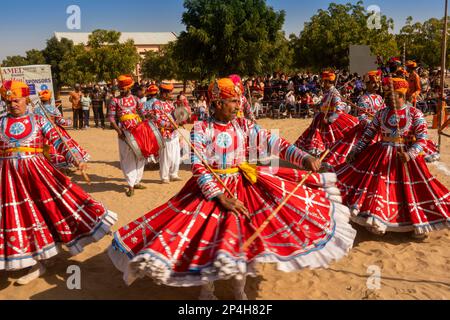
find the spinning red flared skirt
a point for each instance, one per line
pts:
(322, 136)
(385, 194)
(341, 148)
(189, 240)
(42, 209)
(57, 159)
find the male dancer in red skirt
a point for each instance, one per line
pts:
(40, 208)
(126, 109)
(54, 115)
(331, 124)
(197, 237)
(387, 185)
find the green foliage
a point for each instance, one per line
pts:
(160, 65)
(232, 36)
(54, 54)
(75, 66)
(14, 61)
(326, 38)
(423, 41)
(32, 57)
(104, 59)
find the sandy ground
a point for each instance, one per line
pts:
(409, 270)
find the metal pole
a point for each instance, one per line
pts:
(404, 54)
(443, 68)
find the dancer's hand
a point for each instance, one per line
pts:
(312, 164)
(233, 205)
(351, 157)
(120, 134)
(404, 157)
(82, 166)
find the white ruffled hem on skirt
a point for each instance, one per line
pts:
(378, 226)
(224, 267)
(75, 247)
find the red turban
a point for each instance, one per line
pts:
(152, 90)
(45, 95)
(125, 82)
(328, 75)
(166, 86)
(13, 89)
(222, 89)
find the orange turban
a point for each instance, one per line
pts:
(166, 86)
(328, 75)
(372, 76)
(411, 64)
(45, 95)
(400, 85)
(125, 82)
(13, 89)
(401, 71)
(152, 90)
(237, 82)
(222, 89)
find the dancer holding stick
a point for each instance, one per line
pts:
(201, 231)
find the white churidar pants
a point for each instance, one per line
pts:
(132, 167)
(169, 158)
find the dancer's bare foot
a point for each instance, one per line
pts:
(140, 187)
(207, 292)
(239, 289)
(35, 272)
(130, 192)
(422, 237)
(376, 231)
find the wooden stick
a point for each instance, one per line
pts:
(267, 221)
(197, 153)
(357, 107)
(83, 173)
(85, 176)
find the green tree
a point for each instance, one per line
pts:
(14, 61)
(103, 58)
(231, 36)
(34, 57)
(75, 66)
(326, 37)
(422, 40)
(54, 54)
(108, 57)
(160, 65)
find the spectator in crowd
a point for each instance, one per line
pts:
(140, 94)
(98, 99)
(202, 108)
(75, 99)
(86, 104)
(290, 103)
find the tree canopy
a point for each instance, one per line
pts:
(327, 36)
(423, 40)
(104, 59)
(232, 36)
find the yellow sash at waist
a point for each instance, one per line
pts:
(399, 139)
(248, 170)
(129, 117)
(330, 109)
(22, 149)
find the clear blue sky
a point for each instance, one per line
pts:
(20, 31)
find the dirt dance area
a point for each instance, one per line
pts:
(409, 269)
